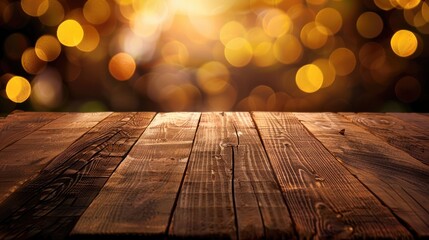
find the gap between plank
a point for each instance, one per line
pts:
(237, 232)
(176, 200)
(295, 233)
(406, 225)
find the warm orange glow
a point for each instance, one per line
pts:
(343, 60)
(70, 33)
(369, 25)
(122, 66)
(48, 48)
(35, 7)
(91, 39)
(404, 43)
(31, 62)
(18, 89)
(309, 78)
(238, 52)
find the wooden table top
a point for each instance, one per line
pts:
(235, 175)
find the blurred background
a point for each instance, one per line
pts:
(204, 55)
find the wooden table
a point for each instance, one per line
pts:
(220, 175)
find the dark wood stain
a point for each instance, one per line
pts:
(218, 175)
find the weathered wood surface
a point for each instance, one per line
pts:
(396, 132)
(419, 120)
(234, 175)
(324, 198)
(140, 195)
(65, 188)
(25, 158)
(19, 125)
(398, 180)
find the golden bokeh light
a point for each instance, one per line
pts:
(407, 4)
(309, 78)
(31, 62)
(90, 40)
(238, 52)
(287, 49)
(122, 66)
(202, 55)
(18, 89)
(263, 55)
(175, 52)
(384, 4)
(328, 71)
(369, 25)
(331, 19)
(70, 33)
(404, 43)
(231, 30)
(96, 11)
(34, 8)
(343, 60)
(47, 48)
(276, 22)
(213, 77)
(314, 35)
(54, 14)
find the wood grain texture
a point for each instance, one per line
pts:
(19, 125)
(325, 200)
(205, 207)
(67, 186)
(396, 132)
(24, 159)
(419, 120)
(260, 208)
(397, 179)
(139, 197)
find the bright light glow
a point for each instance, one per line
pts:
(122, 66)
(404, 43)
(238, 52)
(309, 78)
(70, 33)
(18, 89)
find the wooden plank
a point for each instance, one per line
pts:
(260, 208)
(229, 170)
(418, 120)
(396, 132)
(66, 187)
(397, 179)
(139, 196)
(205, 207)
(24, 159)
(20, 125)
(325, 200)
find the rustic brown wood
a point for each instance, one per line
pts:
(139, 196)
(205, 206)
(67, 186)
(397, 179)
(418, 120)
(325, 200)
(20, 125)
(260, 208)
(24, 159)
(229, 170)
(396, 132)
